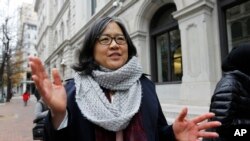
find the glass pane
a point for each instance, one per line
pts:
(175, 45)
(162, 56)
(236, 30)
(237, 24)
(248, 27)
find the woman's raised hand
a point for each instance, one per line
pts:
(52, 92)
(194, 129)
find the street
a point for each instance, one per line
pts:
(16, 121)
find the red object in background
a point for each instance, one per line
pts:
(26, 96)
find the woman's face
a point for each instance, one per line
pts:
(107, 52)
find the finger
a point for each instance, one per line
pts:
(202, 117)
(208, 125)
(34, 64)
(35, 79)
(56, 77)
(205, 134)
(37, 67)
(182, 114)
(38, 84)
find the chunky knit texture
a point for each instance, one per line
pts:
(93, 103)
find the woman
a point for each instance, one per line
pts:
(110, 99)
(231, 99)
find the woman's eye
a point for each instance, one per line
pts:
(104, 39)
(120, 38)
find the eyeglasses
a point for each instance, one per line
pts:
(107, 40)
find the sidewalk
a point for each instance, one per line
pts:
(16, 121)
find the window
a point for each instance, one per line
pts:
(248, 26)
(166, 46)
(234, 24)
(236, 30)
(62, 31)
(237, 16)
(55, 39)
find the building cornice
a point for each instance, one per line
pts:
(139, 34)
(42, 36)
(56, 52)
(125, 7)
(207, 5)
(60, 14)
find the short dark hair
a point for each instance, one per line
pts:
(86, 63)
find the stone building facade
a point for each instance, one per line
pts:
(180, 43)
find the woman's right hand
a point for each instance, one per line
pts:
(53, 93)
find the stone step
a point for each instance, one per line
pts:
(171, 111)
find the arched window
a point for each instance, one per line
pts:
(165, 46)
(55, 40)
(68, 25)
(62, 32)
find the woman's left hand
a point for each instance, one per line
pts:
(194, 129)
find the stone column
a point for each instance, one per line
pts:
(140, 42)
(199, 52)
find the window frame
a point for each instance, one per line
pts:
(156, 32)
(223, 5)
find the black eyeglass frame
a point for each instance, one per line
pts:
(116, 38)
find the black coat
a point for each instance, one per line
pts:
(231, 104)
(80, 129)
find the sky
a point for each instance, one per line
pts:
(12, 5)
(10, 10)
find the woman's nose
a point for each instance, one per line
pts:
(113, 44)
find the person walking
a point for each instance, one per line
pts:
(37, 95)
(41, 111)
(231, 99)
(109, 98)
(26, 96)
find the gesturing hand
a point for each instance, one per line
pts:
(192, 130)
(53, 94)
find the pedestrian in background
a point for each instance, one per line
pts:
(110, 99)
(37, 95)
(26, 96)
(41, 109)
(231, 99)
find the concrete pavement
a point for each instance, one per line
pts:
(16, 121)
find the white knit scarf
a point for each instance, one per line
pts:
(95, 106)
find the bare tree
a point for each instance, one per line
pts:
(6, 39)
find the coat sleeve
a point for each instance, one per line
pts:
(166, 132)
(154, 118)
(52, 134)
(224, 104)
